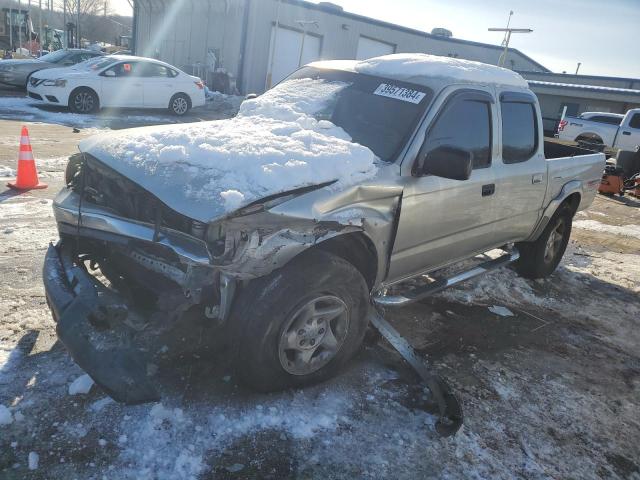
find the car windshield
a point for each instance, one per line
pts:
(54, 57)
(96, 63)
(376, 112)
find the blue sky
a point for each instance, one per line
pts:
(602, 34)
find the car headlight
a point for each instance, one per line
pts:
(55, 83)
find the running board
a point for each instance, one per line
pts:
(419, 293)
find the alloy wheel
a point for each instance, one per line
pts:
(313, 335)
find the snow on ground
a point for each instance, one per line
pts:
(412, 66)
(7, 172)
(594, 225)
(274, 145)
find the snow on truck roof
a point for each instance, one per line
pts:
(419, 67)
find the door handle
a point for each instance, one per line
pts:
(537, 178)
(488, 190)
(626, 133)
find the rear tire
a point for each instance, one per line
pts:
(84, 100)
(180, 104)
(540, 258)
(300, 324)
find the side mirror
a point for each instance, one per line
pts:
(109, 73)
(251, 96)
(447, 161)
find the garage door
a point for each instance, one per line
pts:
(368, 48)
(286, 54)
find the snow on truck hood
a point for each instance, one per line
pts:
(206, 170)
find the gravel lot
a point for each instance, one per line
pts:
(551, 391)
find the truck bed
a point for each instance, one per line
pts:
(566, 164)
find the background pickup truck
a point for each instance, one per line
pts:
(278, 231)
(603, 129)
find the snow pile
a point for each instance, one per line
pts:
(81, 385)
(5, 416)
(595, 226)
(409, 66)
(274, 145)
(6, 172)
(33, 460)
(169, 443)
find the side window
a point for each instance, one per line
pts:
(635, 121)
(519, 131)
(156, 70)
(466, 124)
(126, 69)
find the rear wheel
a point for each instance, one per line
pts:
(300, 324)
(84, 100)
(179, 104)
(539, 259)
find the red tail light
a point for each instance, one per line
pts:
(561, 125)
(200, 84)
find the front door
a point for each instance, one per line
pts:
(443, 220)
(122, 86)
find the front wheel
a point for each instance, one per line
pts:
(300, 324)
(84, 100)
(539, 259)
(179, 104)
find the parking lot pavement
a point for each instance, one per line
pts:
(14, 105)
(550, 384)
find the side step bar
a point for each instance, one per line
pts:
(419, 293)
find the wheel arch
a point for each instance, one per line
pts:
(357, 249)
(84, 87)
(571, 194)
(181, 93)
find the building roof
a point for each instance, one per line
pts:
(587, 88)
(573, 75)
(372, 21)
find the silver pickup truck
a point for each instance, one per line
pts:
(275, 233)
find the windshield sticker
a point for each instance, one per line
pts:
(399, 93)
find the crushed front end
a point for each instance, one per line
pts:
(126, 271)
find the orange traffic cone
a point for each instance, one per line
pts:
(27, 177)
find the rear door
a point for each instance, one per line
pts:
(629, 134)
(122, 87)
(521, 174)
(444, 220)
(159, 84)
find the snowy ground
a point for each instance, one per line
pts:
(551, 391)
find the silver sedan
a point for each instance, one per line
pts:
(16, 72)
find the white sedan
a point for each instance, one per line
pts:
(120, 81)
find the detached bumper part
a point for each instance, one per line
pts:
(84, 311)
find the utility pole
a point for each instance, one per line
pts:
(20, 20)
(65, 40)
(269, 78)
(578, 67)
(507, 38)
(40, 39)
(78, 39)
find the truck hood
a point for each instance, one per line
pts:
(208, 170)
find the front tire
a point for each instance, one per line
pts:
(180, 104)
(84, 101)
(300, 324)
(539, 259)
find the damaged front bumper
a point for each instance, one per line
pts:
(86, 313)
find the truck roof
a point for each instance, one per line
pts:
(421, 68)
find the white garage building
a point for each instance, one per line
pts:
(259, 42)
(256, 43)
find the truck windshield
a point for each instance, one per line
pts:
(376, 112)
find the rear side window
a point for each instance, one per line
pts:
(635, 121)
(519, 131)
(465, 124)
(605, 119)
(149, 69)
